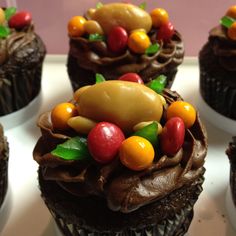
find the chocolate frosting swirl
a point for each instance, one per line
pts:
(94, 56)
(125, 190)
(231, 150)
(223, 47)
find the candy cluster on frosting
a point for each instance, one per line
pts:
(11, 19)
(122, 26)
(122, 119)
(229, 22)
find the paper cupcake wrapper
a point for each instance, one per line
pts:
(177, 225)
(232, 181)
(218, 94)
(19, 87)
(3, 178)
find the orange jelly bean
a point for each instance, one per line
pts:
(76, 26)
(138, 42)
(231, 12)
(232, 31)
(183, 110)
(61, 113)
(159, 17)
(136, 153)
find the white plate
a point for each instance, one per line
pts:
(30, 217)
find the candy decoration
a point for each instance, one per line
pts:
(61, 113)
(99, 78)
(96, 37)
(143, 5)
(117, 39)
(172, 136)
(9, 12)
(183, 110)
(4, 31)
(132, 77)
(104, 141)
(81, 124)
(2, 16)
(99, 5)
(231, 12)
(165, 32)
(227, 21)
(73, 149)
(232, 31)
(92, 27)
(138, 42)
(143, 124)
(149, 132)
(136, 153)
(158, 84)
(152, 49)
(159, 17)
(20, 20)
(79, 91)
(76, 26)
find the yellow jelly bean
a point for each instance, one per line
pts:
(2, 16)
(79, 91)
(76, 26)
(60, 115)
(136, 153)
(159, 17)
(81, 124)
(141, 125)
(232, 31)
(138, 42)
(92, 27)
(183, 110)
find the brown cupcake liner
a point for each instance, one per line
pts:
(19, 86)
(216, 85)
(175, 224)
(232, 181)
(3, 175)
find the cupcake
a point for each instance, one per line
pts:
(118, 38)
(21, 57)
(231, 193)
(109, 167)
(3, 166)
(217, 60)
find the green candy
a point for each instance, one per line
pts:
(152, 49)
(9, 12)
(73, 149)
(99, 78)
(158, 84)
(96, 37)
(149, 132)
(4, 31)
(227, 21)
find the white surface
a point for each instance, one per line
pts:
(28, 214)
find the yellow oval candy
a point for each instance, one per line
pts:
(120, 102)
(128, 16)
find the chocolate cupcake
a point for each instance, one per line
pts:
(113, 44)
(4, 152)
(230, 201)
(121, 174)
(217, 60)
(21, 57)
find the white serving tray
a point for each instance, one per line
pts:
(27, 214)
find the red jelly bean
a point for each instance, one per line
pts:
(104, 141)
(165, 32)
(20, 20)
(117, 39)
(132, 77)
(172, 136)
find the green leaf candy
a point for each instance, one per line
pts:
(158, 84)
(99, 78)
(4, 31)
(227, 21)
(73, 149)
(143, 5)
(9, 12)
(149, 132)
(152, 49)
(96, 37)
(99, 5)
